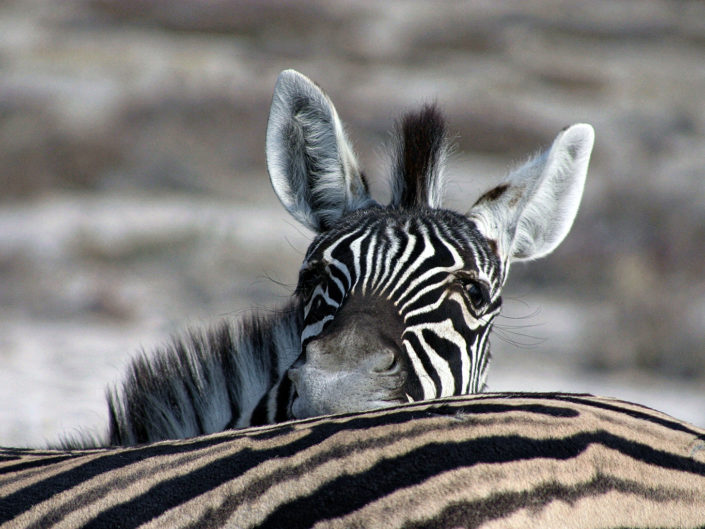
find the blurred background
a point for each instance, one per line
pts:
(135, 203)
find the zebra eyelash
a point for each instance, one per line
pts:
(477, 292)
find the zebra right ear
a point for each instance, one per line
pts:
(311, 163)
(528, 216)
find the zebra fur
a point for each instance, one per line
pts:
(484, 461)
(394, 303)
(419, 158)
(205, 382)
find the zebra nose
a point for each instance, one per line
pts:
(385, 360)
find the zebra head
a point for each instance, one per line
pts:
(398, 300)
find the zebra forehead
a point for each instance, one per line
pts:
(390, 225)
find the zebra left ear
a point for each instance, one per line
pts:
(530, 214)
(311, 163)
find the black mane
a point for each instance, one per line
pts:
(418, 158)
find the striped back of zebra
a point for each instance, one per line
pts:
(502, 460)
(394, 303)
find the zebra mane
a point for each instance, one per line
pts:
(418, 158)
(200, 382)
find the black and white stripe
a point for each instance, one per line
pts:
(511, 460)
(409, 259)
(394, 303)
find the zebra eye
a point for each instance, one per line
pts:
(477, 293)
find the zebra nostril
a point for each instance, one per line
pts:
(385, 361)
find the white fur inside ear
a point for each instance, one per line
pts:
(551, 209)
(311, 163)
(530, 214)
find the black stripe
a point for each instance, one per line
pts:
(333, 289)
(450, 309)
(442, 255)
(259, 414)
(217, 517)
(362, 263)
(178, 490)
(285, 393)
(13, 453)
(22, 500)
(380, 254)
(94, 494)
(668, 423)
(426, 299)
(342, 252)
(347, 493)
(450, 353)
(470, 514)
(36, 463)
(173, 492)
(398, 236)
(420, 352)
(419, 245)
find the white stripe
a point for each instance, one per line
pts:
(466, 360)
(428, 251)
(355, 249)
(368, 262)
(480, 346)
(400, 263)
(393, 248)
(383, 257)
(315, 328)
(426, 308)
(446, 331)
(328, 255)
(320, 293)
(429, 391)
(457, 265)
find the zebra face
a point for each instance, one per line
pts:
(398, 300)
(397, 307)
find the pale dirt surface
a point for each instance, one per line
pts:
(134, 201)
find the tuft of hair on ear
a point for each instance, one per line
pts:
(420, 148)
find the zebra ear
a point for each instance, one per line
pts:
(530, 214)
(311, 163)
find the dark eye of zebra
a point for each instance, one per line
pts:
(477, 293)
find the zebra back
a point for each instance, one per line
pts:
(491, 460)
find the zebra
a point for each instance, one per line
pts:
(394, 303)
(481, 461)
